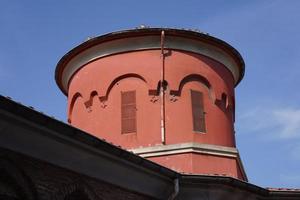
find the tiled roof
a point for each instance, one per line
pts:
(283, 189)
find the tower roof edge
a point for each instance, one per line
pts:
(146, 31)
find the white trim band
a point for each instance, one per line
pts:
(145, 43)
(192, 147)
(163, 150)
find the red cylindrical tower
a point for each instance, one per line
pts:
(165, 94)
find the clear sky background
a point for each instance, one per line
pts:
(34, 35)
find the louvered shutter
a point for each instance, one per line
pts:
(198, 111)
(128, 112)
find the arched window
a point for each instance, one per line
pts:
(8, 187)
(77, 195)
(13, 183)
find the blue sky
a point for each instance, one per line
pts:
(35, 34)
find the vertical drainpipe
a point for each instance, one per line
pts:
(176, 189)
(162, 90)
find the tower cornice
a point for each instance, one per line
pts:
(145, 39)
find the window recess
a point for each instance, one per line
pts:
(128, 112)
(198, 111)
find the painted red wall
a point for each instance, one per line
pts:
(105, 78)
(194, 163)
(94, 105)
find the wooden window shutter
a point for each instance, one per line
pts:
(128, 112)
(198, 111)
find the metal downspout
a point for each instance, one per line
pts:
(162, 90)
(176, 190)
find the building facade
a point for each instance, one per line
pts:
(165, 94)
(151, 116)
